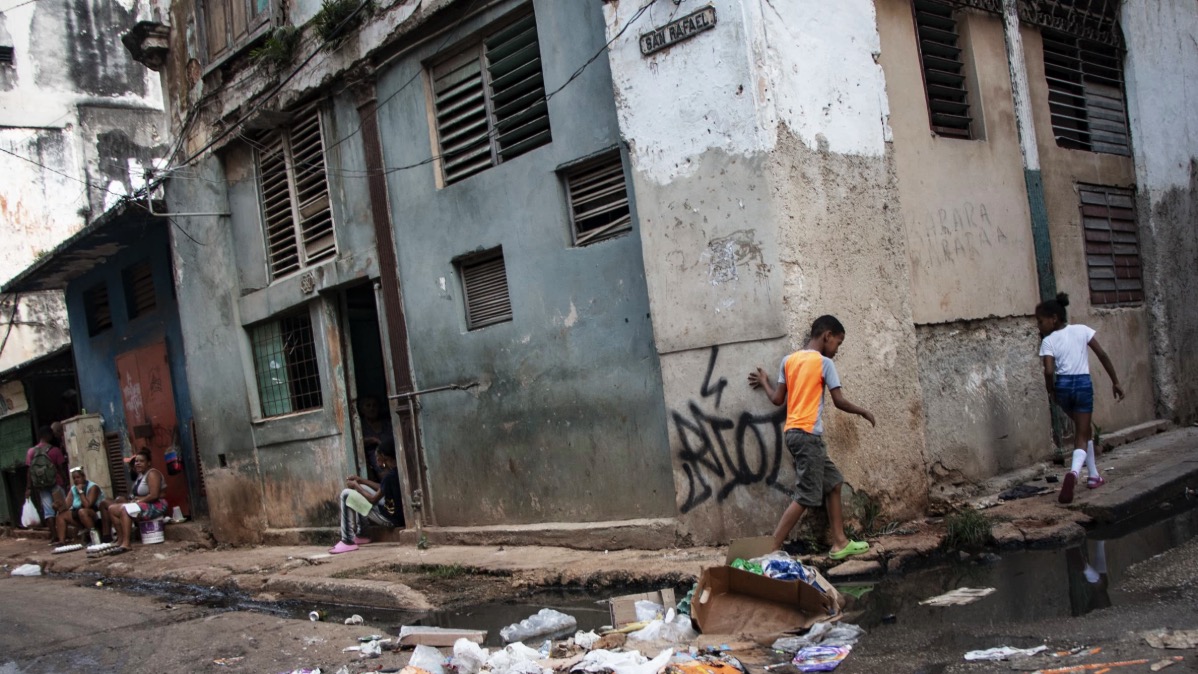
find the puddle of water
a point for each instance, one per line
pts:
(1034, 584)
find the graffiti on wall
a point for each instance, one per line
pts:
(960, 234)
(721, 451)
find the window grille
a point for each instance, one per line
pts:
(1112, 246)
(598, 198)
(489, 101)
(97, 309)
(1085, 94)
(139, 289)
(296, 212)
(943, 68)
(285, 365)
(231, 24)
(8, 55)
(484, 285)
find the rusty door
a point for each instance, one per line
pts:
(150, 417)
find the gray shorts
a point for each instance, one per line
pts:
(815, 474)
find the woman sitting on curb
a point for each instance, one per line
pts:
(83, 505)
(149, 501)
(378, 502)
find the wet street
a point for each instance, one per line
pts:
(1125, 580)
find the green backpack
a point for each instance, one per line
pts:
(43, 474)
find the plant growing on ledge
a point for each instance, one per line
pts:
(278, 50)
(337, 18)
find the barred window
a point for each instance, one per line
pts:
(489, 101)
(97, 309)
(484, 286)
(1085, 94)
(1112, 245)
(139, 289)
(598, 197)
(285, 365)
(296, 212)
(940, 54)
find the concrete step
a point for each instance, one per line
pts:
(1142, 475)
(1124, 436)
(641, 534)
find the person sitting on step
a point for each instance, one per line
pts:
(377, 502)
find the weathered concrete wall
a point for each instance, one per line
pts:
(1122, 331)
(774, 206)
(1161, 71)
(39, 326)
(568, 422)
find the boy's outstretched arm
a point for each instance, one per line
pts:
(1108, 366)
(844, 405)
(776, 393)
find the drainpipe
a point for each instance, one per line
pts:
(1031, 153)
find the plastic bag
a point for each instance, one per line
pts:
(515, 659)
(821, 634)
(468, 657)
(29, 516)
(542, 623)
(625, 662)
(648, 610)
(428, 658)
(27, 570)
(674, 629)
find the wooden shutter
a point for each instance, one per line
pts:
(1085, 94)
(216, 27)
(278, 219)
(943, 68)
(118, 470)
(312, 188)
(599, 200)
(484, 283)
(97, 308)
(139, 289)
(1112, 245)
(521, 114)
(459, 99)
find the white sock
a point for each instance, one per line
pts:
(1090, 465)
(1079, 458)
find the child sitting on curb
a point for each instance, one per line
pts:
(378, 502)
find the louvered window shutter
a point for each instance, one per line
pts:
(139, 289)
(1085, 94)
(461, 106)
(1112, 245)
(599, 200)
(943, 68)
(484, 282)
(296, 211)
(521, 114)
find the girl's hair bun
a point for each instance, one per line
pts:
(1063, 299)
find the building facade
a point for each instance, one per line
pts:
(558, 236)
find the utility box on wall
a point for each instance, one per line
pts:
(84, 439)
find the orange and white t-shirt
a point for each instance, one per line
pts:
(806, 374)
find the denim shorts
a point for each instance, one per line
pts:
(1075, 393)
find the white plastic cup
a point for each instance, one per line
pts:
(177, 514)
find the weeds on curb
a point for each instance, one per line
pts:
(966, 529)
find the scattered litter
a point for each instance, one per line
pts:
(469, 657)
(1004, 653)
(427, 658)
(1096, 667)
(820, 658)
(1158, 666)
(1166, 638)
(542, 623)
(305, 670)
(27, 570)
(412, 635)
(354, 619)
(821, 634)
(1022, 491)
(675, 628)
(584, 640)
(316, 616)
(628, 662)
(225, 662)
(344, 670)
(958, 597)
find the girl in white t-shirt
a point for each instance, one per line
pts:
(1067, 377)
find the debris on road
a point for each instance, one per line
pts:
(542, 623)
(27, 570)
(1004, 653)
(820, 658)
(415, 635)
(958, 597)
(354, 619)
(1158, 666)
(1173, 639)
(821, 634)
(225, 662)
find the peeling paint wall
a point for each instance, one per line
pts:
(1162, 91)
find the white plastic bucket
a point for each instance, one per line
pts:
(151, 531)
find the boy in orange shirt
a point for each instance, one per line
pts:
(801, 382)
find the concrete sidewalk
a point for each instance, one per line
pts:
(1141, 476)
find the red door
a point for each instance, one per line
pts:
(149, 403)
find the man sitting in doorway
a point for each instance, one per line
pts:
(377, 502)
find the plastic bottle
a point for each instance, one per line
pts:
(543, 622)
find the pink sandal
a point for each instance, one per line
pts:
(361, 540)
(1095, 482)
(342, 547)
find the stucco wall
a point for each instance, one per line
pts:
(567, 423)
(773, 207)
(1161, 71)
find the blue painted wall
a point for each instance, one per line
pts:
(95, 357)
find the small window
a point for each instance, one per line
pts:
(1112, 246)
(943, 68)
(139, 289)
(231, 24)
(484, 286)
(97, 309)
(285, 365)
(1085, 94)
(489, 101)
(598, 198)
(8, 56)
(295, 194)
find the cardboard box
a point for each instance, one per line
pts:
(623, 609)
(413, 635)
(732, 601)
